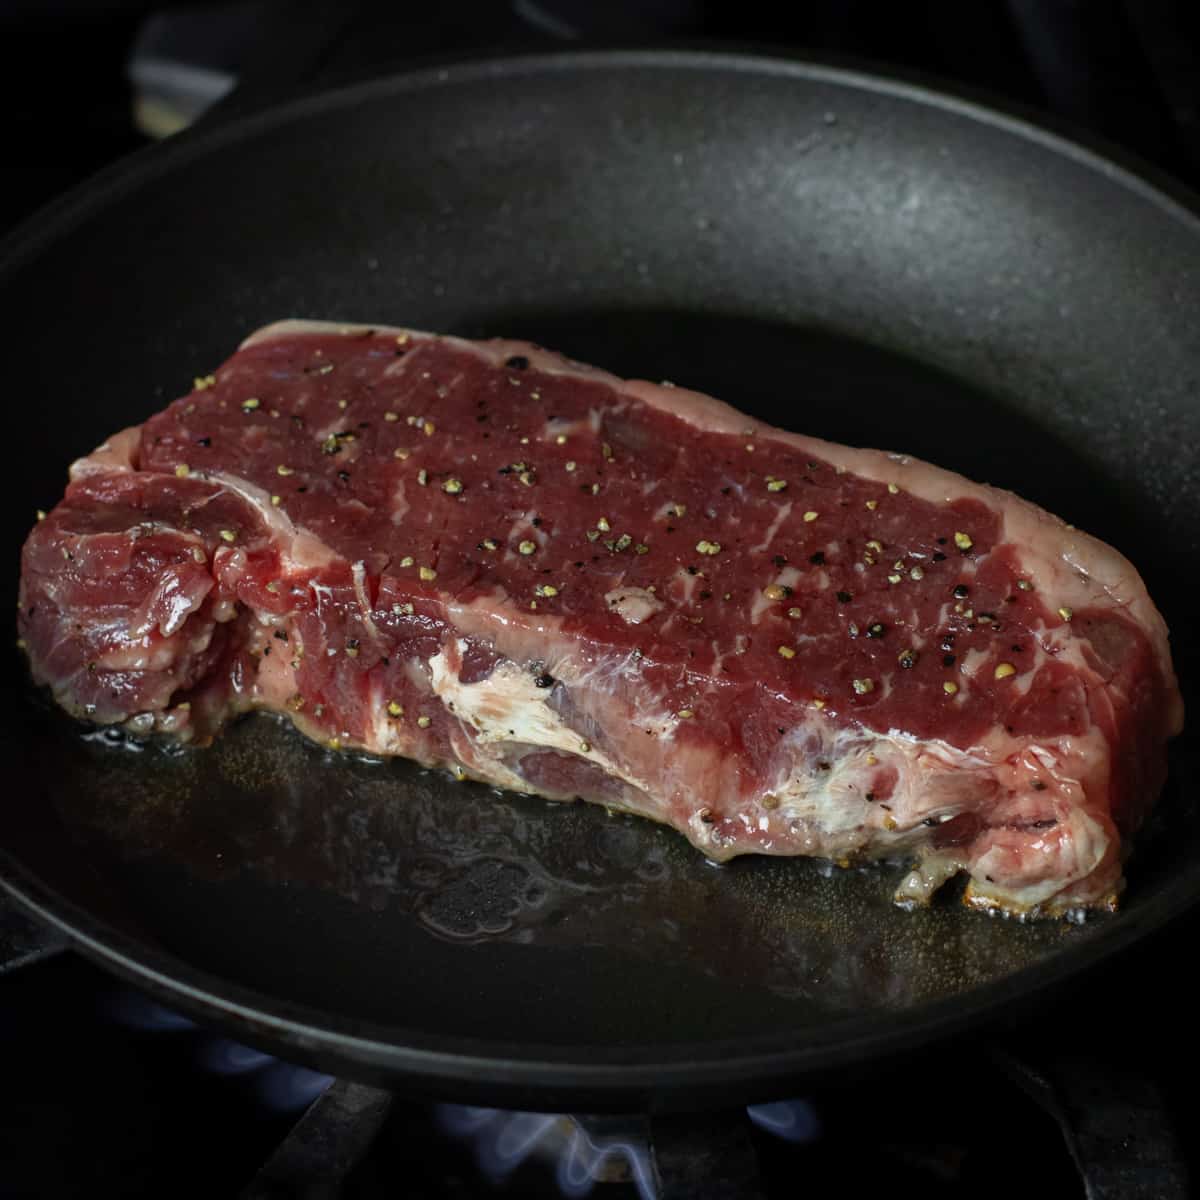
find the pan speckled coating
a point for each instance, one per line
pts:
(854, 258)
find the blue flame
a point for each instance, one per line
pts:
(792, 1120)
(514, 1135)
(279, 1085)
(231, 1058)
(135, 1010)
(579, 1166)
(285, 1087)
(503, 1140)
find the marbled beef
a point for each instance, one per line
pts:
(484, 556)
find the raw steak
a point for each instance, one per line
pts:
(484, 556)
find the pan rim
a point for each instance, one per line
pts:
(645, 1068)
(764, 1061)
(147, 163)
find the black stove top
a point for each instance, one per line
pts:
(107, 1093)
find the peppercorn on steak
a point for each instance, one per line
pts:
(483, 556)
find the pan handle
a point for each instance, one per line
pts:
(24, 941)
(1116, 1124)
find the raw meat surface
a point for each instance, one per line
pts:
(484, 556)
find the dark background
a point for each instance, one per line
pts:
(99, 1097)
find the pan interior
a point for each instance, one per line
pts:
(863, 266)
(398, 896)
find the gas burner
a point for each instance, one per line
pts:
(582, 1151)
(125, 1062)
(653, 1158)
(586, 1150)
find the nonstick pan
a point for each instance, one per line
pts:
(858, 258)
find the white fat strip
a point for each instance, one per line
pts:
(833, 801)
(1063, 759)
(396, 368)
(633, 604)
(970, 662)
(600, 677)
(349, 446)
(299, 549)
(524, 530)
(417, 674)
(968, 568)
(1048, 760)
(945, 614)
(788, 577)
(933, 780)
(447, 386)
(400, 505)
(760, 605)
(114, 454)
(559, 427)
(322, 594)
(507, 706)
(486, 762)
(1022, 683)
(684, 582)
(781, 515)
(1057, 645)
(719, 655)
(358, 573)
(388, 735)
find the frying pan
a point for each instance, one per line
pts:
(855, 257)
